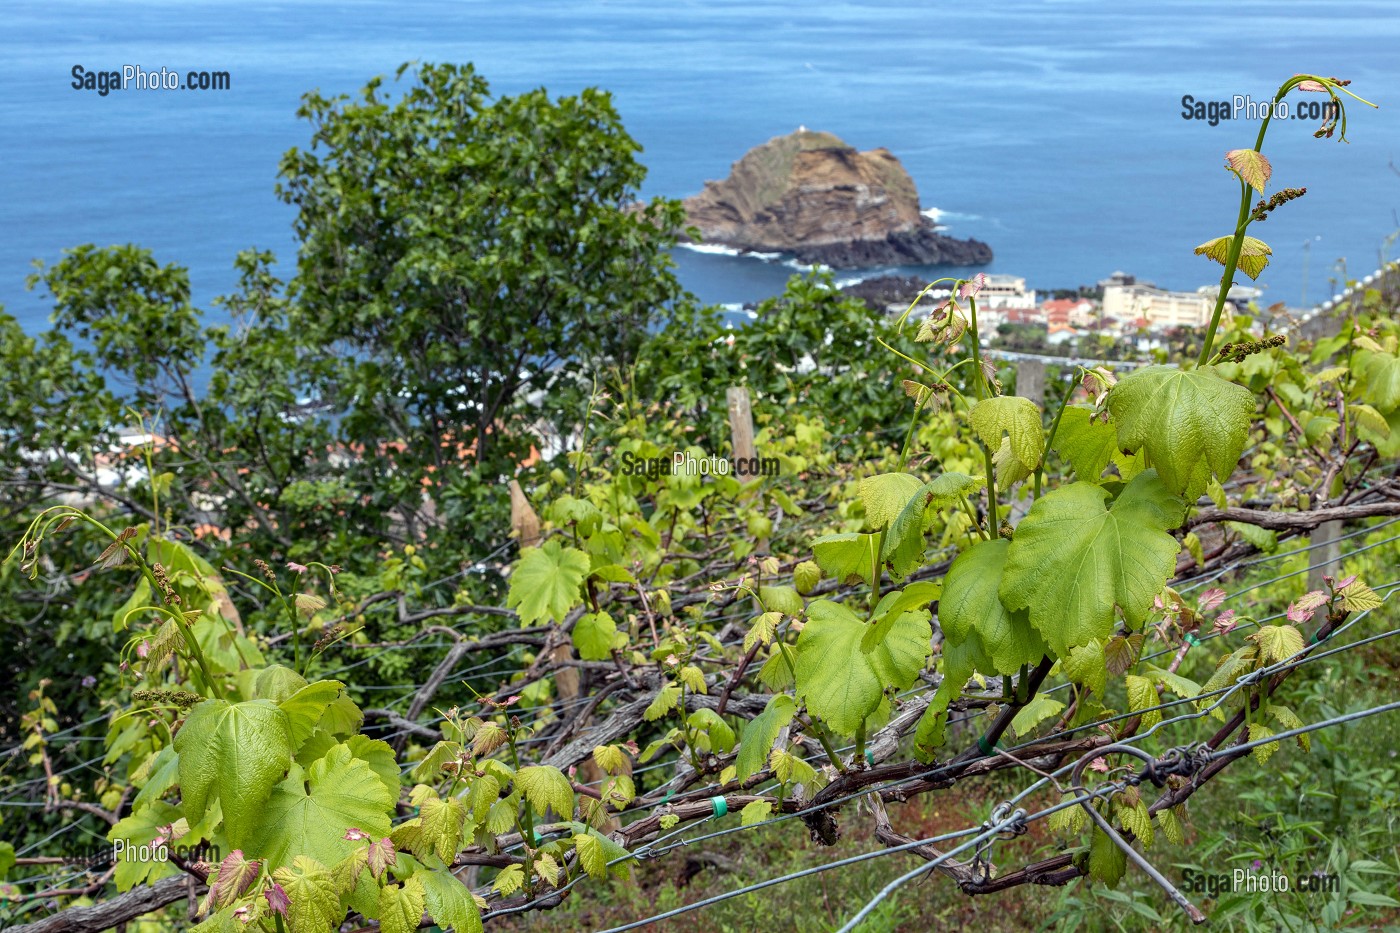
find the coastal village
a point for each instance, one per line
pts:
(1119, 312)
(810, 198)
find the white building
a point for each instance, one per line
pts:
(1006, 291)
(1157, 306)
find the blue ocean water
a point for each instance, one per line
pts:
(1052, 129)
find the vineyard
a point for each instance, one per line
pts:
(1041, 644)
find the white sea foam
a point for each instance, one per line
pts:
(805, 267)
(714, 249)
(942, 217)
(711, 249)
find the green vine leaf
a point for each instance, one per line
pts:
(235, 754)
(885, 496)
(1019, 419)
(1358, 597)
(547, 582)
(1087, 665)
(1258, 732)
(806, 576)
(1133, 815)
(760, 733)
(844, 685)
(1039, 709)
(315, 905)
(510, 880)
(1009, 468)
(715, 735)
(783, 599)
(380, 757)
(755, 812)
(276, 682)
(765, 624)
(593, 636)
(1074, 559)
(438, 828)
(591, 856)
(971, 611)
(164, 772)
(305, 708)
(1191, 423)
(1142, 695)
(547, 789)
(929, 735)
(904, 540)
(1170, 826)
(1381, 371)
(401, 906)
(1277, 642)
(1254, 253)
(310, 816)
(1107, 862)
(914, 597)
(848, 557)
(1086, 442)
(666, 699)
(1289, 720)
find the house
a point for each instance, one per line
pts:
(1024, 316)
(1118, 279)
(1006, 291)
(1159, 307)
(1079, 312)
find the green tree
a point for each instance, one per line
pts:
(465, 261)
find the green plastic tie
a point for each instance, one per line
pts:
(1191, 639)
(721, 806)
(869, 757)
(984, 746)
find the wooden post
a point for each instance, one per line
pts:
(1030, 383)
(523, 520)
(741, 430)
(1325, 557)
(525, 523)
(1030, 380)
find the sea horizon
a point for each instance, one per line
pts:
(1069, 156)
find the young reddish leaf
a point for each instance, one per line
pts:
(382, 856)
(236, 873)
(1252, 167)
(1211, 598)
(277, 899)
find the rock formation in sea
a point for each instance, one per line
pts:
(810, 195)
